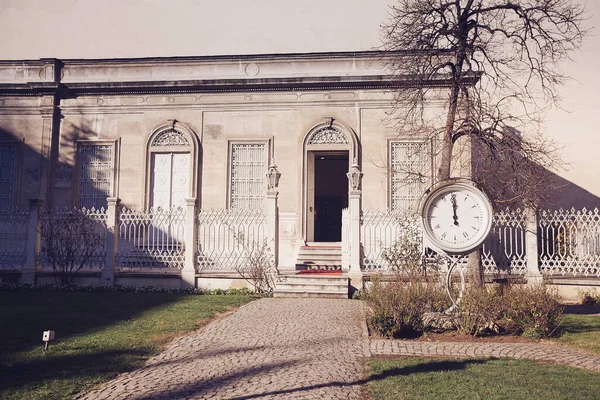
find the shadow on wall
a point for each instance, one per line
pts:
(515, 181)
(82, 175)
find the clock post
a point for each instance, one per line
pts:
(456, 217)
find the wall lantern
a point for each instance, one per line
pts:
(273, 176)
(354, 176)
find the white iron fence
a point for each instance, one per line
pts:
(75, 236)
(379, 231)
(13, 240)
(227, 238)
(151, 240)
(504, 251)
(569, 242)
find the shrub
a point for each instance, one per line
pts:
(589, 297)
(70, 239)
(480, 311)
(259, 269)
(533, 311)
(397, 307)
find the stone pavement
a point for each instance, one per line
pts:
(268, 349)
(284, 348)
(533, 351)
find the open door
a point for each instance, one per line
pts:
(327, 195)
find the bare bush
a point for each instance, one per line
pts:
(260, 269)
(70, 240)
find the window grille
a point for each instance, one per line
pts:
(247, 180)
(96, 175)
(7, 175)
(410, 174)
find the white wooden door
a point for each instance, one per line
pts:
(170, 179)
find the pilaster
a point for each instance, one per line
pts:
(532, 274)
(112, 241)
(273, 224)
(188, 274)
(33, 241)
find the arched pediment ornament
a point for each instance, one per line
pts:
(170, 137)
(328, 135)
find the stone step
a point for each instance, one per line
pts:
(319, 257)
(312, 293)
(312, 286)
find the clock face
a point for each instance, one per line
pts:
(457, 217)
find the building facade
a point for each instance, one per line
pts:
(201, 134)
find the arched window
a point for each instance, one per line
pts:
(172, 168)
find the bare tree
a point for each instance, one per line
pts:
(498, 62)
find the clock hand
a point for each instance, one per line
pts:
(454, 207)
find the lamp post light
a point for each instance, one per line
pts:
(273, 176)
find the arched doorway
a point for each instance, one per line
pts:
(329, 149)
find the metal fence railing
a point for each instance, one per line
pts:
(13, 240)
(151, 240)
(504, 251)
(569, 242)
(228, 238)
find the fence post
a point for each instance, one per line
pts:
(354, 272)
(112, 241)
(532, 274)
(33, 241)
(188, 274)
(273, 224)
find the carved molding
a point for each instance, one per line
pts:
(170, 137)
(328, 135)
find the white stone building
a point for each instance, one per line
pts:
(134, 135)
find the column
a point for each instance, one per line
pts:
(112, 242)
(532, 274)
(355, 208)
(33, 241)
(355, 198)
(273, 224)
(188, 274)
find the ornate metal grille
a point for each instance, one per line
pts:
(96, 174)
(328, 135)
(7, 175)
(170, 137)
(227, 238)
(248, 168)
(504, 251)
(569, 242)
(409, 174)
(13, 239)
(151, 240)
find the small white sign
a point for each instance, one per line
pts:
(48, 336)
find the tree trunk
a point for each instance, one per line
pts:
(475, 274)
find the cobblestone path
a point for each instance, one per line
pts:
(267, 349)
(294, 349)
(539, 352)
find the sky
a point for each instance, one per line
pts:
(32, 29)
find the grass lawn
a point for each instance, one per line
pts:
(420, 378)
(580, 331)
(99, 335)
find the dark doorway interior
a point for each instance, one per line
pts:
(331, 195)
